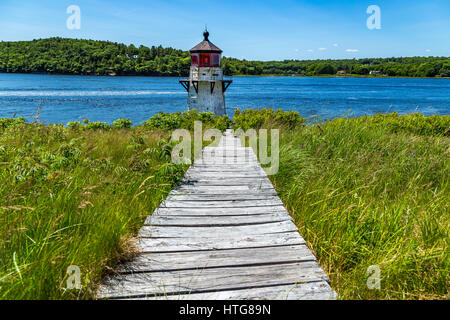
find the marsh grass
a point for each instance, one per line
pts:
(372, 191)
(75, 197)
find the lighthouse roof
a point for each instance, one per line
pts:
(206, 45)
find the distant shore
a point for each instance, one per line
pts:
(337, 76)
(237, 75)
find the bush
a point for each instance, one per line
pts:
(122, 123)
(8, 122)
(185, 120)
(98, 125)
(256, 119)
(74, 125)
(164, 121)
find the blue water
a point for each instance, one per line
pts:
(69, 98)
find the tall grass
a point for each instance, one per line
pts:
(372, 191)
(74, 197)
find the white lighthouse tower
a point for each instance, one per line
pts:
(206, 86)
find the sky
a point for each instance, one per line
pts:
(244, 29)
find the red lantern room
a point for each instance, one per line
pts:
(205, 54)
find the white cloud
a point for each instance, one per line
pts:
(296, 50)
(428, 50)
(335, 45)
(352, 50)
(322, 49)
(310, 50)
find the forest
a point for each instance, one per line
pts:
(91, 57)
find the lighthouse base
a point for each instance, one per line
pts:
(206, 96)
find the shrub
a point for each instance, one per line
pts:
(98, 125)
(256, 119)
(164, 121)
(185, 120)
(122, 123)
(74, 125)
(10, 122)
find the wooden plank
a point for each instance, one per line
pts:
(228, 148)
(216, 221)
(219, 180)
(226, 162)
(232, 181)
(228, 157)
(235, 174)
(220, 232)
(228, 153)
(221, 204)
(228, 168)
(202, 189)
(221, 197)
(193, 281)
(225, 175)
(200, 163)
(220, 211)
(304, 291)
(204, 243)
(156, 262)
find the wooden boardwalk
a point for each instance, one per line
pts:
(222, 234)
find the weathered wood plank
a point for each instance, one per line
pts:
(220, 232)
(245, 185)
(202, 189)
(221, 181)
(228, 148)
(218, 162)
(228, 168)
(193, 281)
(225, 175)
(221, 197)
(242, 241)
(220, 211)
(303, 291)
(154, 262)
(216, 221)
(216, 175)
(221, 203)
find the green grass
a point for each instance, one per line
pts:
(74, 197)
(372, 191)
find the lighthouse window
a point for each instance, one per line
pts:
(216, 60)
(205, 60)
(194, 60)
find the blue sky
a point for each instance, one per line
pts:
(254, 30)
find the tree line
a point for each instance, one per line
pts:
(90, 57)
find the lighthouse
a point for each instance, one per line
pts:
(206, 86)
